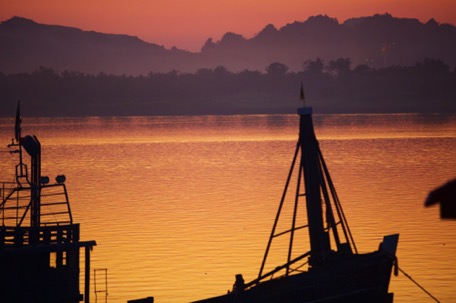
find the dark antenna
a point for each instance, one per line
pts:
(17, 125)
(21, 170)
(17, 136)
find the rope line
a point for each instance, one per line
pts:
(417, 284)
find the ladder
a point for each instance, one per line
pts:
(100, 276)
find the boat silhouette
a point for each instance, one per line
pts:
(39, 241)
(336, 271)
(40, 245)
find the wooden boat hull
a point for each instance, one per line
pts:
(347, 278)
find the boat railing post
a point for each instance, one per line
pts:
(87, 275)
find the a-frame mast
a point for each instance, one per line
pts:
(324, 212)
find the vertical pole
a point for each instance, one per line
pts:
(293, 224)
(319, 246)
(106, 285)
(87, 275)
(278, 212)
(34, 150)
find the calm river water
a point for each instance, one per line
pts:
(179, 205)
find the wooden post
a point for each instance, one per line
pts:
(87, 275)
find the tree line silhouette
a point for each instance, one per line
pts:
(331, 87)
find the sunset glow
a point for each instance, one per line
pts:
(188, 24)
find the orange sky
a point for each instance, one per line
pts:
(187, 24)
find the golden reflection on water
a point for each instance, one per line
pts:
(179, 205)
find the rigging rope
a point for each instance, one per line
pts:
(417, 284)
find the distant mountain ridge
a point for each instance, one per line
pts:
(378, 41)
(28, 45)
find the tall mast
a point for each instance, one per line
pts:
(21, 170)
(324, 212)
(32, 146)
(310, 167)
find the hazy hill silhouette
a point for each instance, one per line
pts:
(27, 45)
(378, 41)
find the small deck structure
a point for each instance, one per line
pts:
(39, 242)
